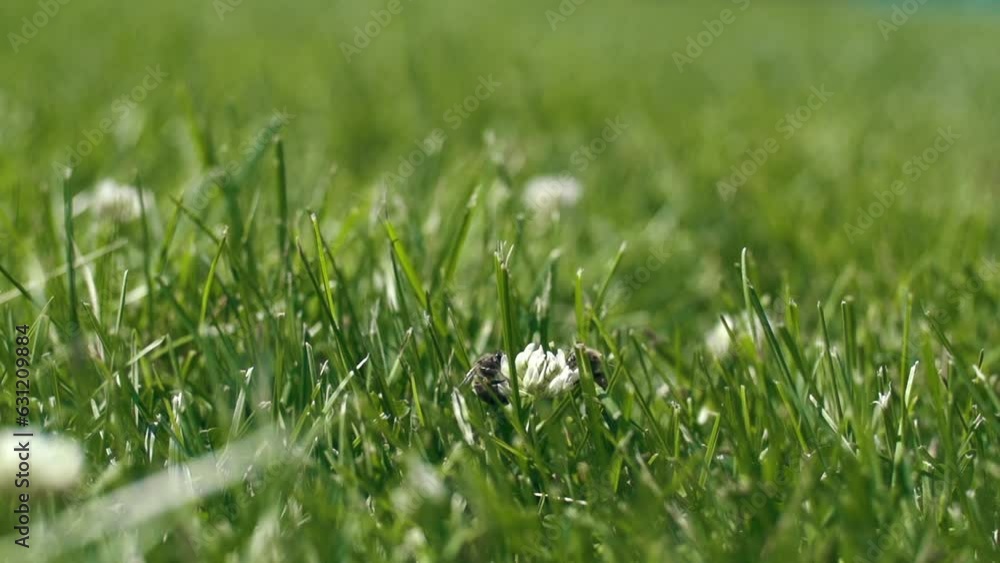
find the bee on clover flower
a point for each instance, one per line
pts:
(541, 373)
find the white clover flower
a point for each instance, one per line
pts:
(112, 200)
(546, 194)
(542, 373)
(55, 463)
(564, 381)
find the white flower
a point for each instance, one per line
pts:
(564, 381)
(425, 481)
(882, 403)
(542, 373)
(503, 152)
(549, 193)
(717, 339)
(55, 463)
(112, 200)
(706, 414)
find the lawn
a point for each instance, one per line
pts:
(249, 252)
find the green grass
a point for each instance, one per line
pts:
(293, 330)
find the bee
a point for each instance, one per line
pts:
(489, 378)
(488, 381)
(596, 361)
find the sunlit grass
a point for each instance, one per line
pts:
(265, 363)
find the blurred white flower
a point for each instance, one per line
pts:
(549, 193)
(55, 463)
(706, 414)
(423, 479)
(422, 485)
(717, 339)
(542, 373)
(503, 152)
(882, 403)
(112, 200)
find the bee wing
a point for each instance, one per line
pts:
(469, 376)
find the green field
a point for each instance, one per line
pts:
(261, 358)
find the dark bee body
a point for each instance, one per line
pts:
(596, 366)
(488, 381)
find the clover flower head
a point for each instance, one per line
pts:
(549, 193)
(541, 372)
(111, 200)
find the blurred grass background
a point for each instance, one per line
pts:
(228, 73)
(655, 187)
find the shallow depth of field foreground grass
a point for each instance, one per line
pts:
(262, 361)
